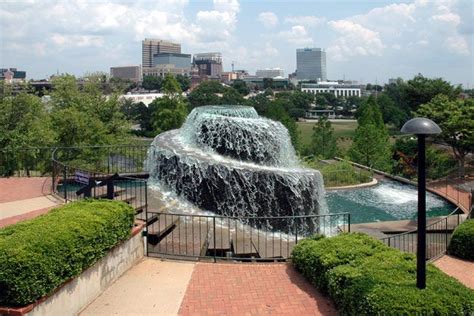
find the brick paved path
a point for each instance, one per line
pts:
(14, 189)
(462, 270)
(252, 289)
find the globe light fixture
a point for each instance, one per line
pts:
(421, 127)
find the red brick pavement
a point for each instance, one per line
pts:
(14, 189)
(252, 289)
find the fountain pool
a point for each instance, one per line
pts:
(387, 201)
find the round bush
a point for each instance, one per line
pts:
(462, 241)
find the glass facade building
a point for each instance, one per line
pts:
(311, 64)
(178, 60)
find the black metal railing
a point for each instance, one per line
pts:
(26, 162)
(438, 236)
(235, 238)
(73, 183)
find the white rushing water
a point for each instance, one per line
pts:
(230, 161)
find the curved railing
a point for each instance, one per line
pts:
(438, 236)
(114, 172)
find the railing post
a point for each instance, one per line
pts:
(65, 184)
(349, 222)
(110, 189)
(214, 229)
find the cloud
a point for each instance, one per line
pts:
(268, 19)
(448, 18)
(297, 35)
(354, 40)
(457, 45)
(307, 20)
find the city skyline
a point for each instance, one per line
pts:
(368, 41)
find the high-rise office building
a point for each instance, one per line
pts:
(311, 64)
(208, 64)
(151, 47)
(178, 60)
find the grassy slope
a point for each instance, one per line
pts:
(341, 129)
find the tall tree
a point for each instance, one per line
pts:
(323, 142)
(207, 93)
(184, 82)
(276, 111)
(170, 110)
(370, 144)
(456, 119)
(241, 87)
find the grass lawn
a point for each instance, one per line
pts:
(341, 129)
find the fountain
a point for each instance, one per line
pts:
(232, 162)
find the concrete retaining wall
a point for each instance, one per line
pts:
(77, 293)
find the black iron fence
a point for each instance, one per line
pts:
(235, 238)
(438, 236)
(75, 182)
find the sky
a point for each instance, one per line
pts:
(368, 40)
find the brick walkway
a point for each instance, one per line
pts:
(462, 270)
(14, 189)
(24, 198)
(252, 289)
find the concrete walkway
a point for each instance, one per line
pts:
(462, 270)
(152, 287)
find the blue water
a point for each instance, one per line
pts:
(386, 201)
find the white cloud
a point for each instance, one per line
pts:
(354, 40)
(448, 18)
(297, 35)
(457, 45)
(306, 20)
(268, 19)
(63, 41)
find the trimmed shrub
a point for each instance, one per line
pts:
(38, 255)
(462, 242)
(365, 277)
(314, 258)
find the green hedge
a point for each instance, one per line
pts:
(365, 277)
(38, 255)
(462, 242)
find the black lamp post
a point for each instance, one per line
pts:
(421, 127)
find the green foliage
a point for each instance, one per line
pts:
(462, 241)
(456, 120)
(316, 258)
(277, 112)
(205, 94)
(241, 87)
(405, 152)
(39, 255)
(152, 82)
(170, 113)
(170, 85)
(390, 112)
(371, 146)
(231, 96)
(86, 116)
(184, 82)
(365, 277)
(323, 142)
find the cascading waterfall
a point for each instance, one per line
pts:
(230, 161)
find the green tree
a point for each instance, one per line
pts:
(323, 142)
(24, 123)
(301, 100)
(170, 85)
(268, 83)
(207, 93)
(93, 109)
(168, 112)
(276, 111)
(241, 87)
(390, 112)
(456, 120)
(184, 82)
(152, 82)
(231, 96)
(370, 144)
